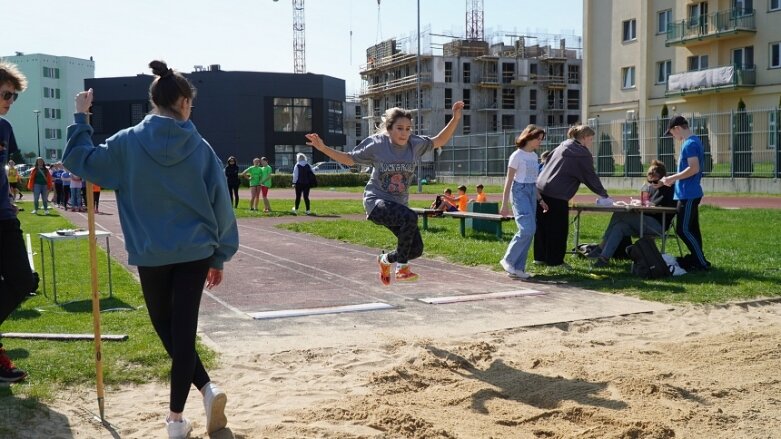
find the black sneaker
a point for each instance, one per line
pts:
(8, 372)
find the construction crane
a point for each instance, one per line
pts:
(299, 38)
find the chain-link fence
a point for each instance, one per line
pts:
(737, 144)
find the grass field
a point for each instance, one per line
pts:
(746, 263)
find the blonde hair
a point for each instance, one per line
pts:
(10, 73)
(390, 117)
(578, 132)
(300, 156)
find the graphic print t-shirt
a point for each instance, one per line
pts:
(393, 167)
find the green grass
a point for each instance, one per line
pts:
(53, 365)
(746, 261)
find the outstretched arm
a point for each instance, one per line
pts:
(446, 134)
(315, 141)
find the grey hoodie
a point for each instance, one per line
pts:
(569, 165)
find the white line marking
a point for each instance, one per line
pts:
(225, 304)
(484, 296)
(319, 311)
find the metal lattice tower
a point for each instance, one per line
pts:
(474, 20)
(299, 39)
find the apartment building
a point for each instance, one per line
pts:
(504, 86)
(43, 112)
(695, 57)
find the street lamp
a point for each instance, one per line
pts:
(38, 129)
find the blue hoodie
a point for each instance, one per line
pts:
(172, 196)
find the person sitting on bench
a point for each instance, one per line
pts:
(627, 224)
(445, 202)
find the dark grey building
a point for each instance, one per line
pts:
(242, 114)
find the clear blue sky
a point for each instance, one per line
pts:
(253, 35)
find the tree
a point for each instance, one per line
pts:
(633, 162)
(665, 146)
(606, 165)
(742, 165)
(30, 156)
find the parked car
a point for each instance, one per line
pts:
(330, 168)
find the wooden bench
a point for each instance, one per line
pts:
(463, 216)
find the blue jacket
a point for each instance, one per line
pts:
(171, 193)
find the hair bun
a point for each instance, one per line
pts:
(160, 68)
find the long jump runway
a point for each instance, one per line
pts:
(297, 290)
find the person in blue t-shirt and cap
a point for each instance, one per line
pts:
(393, 153)
(688, 192)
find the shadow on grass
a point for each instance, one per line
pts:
(25, 314)
(106, 305)
(536, 390)
(27, 417)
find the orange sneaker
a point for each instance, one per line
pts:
(385, 270)
(404, 274)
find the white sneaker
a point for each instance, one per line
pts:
(308, 212)
(46, 211)
(178, 430)
(294, 211)
(214, 401)
(512, 272)
(33, 211)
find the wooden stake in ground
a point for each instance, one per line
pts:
(93, 262)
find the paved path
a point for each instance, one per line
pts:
(277, 270)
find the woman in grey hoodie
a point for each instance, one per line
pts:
(570, 164)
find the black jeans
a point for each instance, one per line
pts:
(233, 189)
(16, 277)
(550, 240)
(173, 297)
(403, 222)
(302, 190)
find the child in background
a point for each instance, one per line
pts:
(254, 173)
(461, 200)
(66, 188)
(96, 196)
(76, 183)
(443, 202)
(481, 198)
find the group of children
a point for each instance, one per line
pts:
(448, 203)
(68, 190)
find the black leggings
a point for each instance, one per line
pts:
(173, 296)
(688, 229)
(550, 239)
(16, 277)
(302, 190)
(403, 222)
(233, 189)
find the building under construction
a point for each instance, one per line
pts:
(504, 86)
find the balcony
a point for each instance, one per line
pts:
(717, 79)
(703, 28)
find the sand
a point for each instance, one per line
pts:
(692, 372)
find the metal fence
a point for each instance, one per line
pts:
(737, 144)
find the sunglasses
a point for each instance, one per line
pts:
(653, 181)
(9, 96)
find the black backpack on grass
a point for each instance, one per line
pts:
(647, 262)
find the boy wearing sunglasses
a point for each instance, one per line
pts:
(16, 277)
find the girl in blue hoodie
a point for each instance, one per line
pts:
(182, 239)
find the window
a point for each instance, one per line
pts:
(742, 7)
(630, 30)
(775, 55)
(357, 111)
(52, 113)
(448, 71)
(494, 124)
(551, 120)
(285, 156)
(532, 99)
(53, 133)
(698, 15)
(628, 77)
(508, 98)
(508, 72)
(743, 58)
(466, 124)
(358, 131)
(573, 99)
(698, 62)
(467, 73)
(448, 98)
(775, 5)
(508, 122)
(664, 19)
(467, 98)
(137, 113)
(533, 119)
(663, 71)
(573, 74)
(532, 71)
(292, 115)
(51, 72)
(335, 117)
